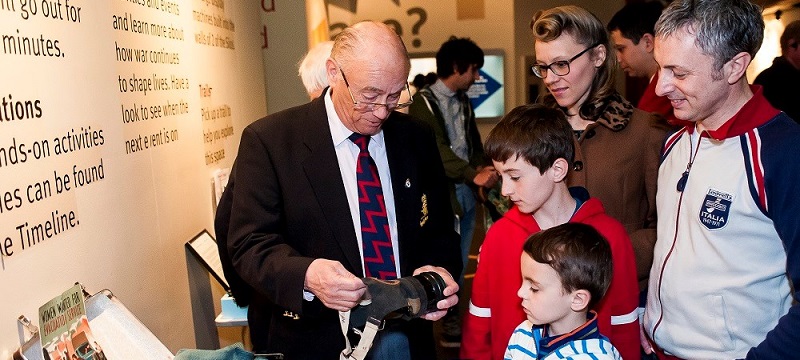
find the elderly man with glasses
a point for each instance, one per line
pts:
(301, 234)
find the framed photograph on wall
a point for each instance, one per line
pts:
(204, 248)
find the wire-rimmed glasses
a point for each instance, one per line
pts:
(371, 106)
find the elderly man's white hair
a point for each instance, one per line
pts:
(312, 68)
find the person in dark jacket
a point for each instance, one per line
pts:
(297, 236)
(781, 81)
(447, 108)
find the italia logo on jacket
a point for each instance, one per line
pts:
(715, 209)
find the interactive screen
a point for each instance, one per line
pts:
(487, 94)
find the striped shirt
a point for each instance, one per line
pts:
(532, 342)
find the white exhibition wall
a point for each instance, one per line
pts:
(113, 117)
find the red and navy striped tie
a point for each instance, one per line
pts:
(375, 238)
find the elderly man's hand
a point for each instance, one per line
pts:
(449, 291)
(332, 284)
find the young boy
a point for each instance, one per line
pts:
(532, 149)
(565, 272)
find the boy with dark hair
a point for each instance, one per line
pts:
(566, 270)
(631, 30)
(532, 149)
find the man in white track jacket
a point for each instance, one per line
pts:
(728, 248)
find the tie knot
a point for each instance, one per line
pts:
(362, 141)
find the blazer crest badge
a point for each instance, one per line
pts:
(424, 218)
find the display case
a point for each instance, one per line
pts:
(115, 328)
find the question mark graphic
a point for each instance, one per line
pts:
(396, 25)
(423, 17)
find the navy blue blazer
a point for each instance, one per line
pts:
(288, 207)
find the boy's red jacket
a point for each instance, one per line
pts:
(495, 310)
